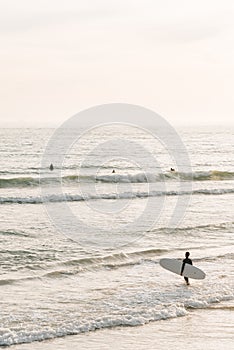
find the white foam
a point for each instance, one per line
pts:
(18, 336)
(110, 196)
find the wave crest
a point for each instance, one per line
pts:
(213, 175)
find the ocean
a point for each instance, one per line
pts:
(81, 243)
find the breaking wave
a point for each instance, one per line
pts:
(53, 198)
(213, 175)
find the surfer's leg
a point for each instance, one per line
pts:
(186, 280)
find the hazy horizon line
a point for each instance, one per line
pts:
(55, 126)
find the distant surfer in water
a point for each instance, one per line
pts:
(172, 169)
(186, 261)
(51, 167)
(113, 171)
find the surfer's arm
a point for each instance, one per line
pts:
(182, 268)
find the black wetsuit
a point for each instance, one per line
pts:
(186, 261)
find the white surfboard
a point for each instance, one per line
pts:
(190, 271)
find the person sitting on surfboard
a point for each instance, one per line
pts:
(186, 261)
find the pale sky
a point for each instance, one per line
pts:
(58, 57)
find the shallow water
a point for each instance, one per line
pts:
(102, 271)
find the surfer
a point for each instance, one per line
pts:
(186, 261)
(51, 167)
(172, 169)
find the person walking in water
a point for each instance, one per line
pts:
(186, 261)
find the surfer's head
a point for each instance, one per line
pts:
(187, 254)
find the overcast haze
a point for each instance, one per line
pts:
(173, 56)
